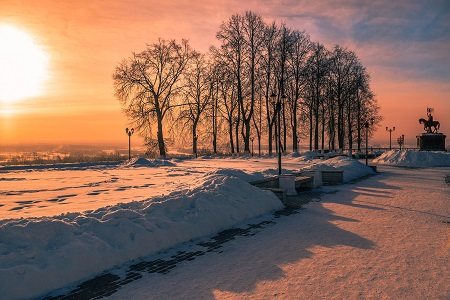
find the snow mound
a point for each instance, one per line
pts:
(42, 254)
(411, 158)
(143, 162)
(238, 174)
(352, 168)
(305, 156)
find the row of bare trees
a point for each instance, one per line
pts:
(261, 72)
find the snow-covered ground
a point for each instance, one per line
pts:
(64, 223)
(386, 237)
(409, 158)
(59, 225)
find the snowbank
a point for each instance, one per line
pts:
(143, 162)
(38, 255)
(410, 158)
(305, 156)
(243, 175)
(352, 168)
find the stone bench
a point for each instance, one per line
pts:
(332, 177)
(271, 182)
(280, 193)
(303, 181)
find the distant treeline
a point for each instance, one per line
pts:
(66, 156)
(264, 83)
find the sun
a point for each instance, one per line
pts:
(23, 65)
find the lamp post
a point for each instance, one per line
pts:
(251, 139)
(366, 124)
(277, 104)
(390, 136)
(129, 132)
(401, 141)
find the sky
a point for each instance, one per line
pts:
(404, 45)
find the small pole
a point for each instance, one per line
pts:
(366, 125)
(129, 132)
(367, 142)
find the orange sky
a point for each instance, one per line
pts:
(404, 46)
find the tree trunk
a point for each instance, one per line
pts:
(294, 130)
(238, 122)
(270, 138)
(310, 129)
(323, 126)
(194, 139)
(230, 132)
(284, 129)
(214, 122)
(162, 147)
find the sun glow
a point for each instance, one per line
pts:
(23, 65)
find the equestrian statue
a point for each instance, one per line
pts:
(428, 124)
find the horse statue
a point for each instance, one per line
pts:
(427, 124)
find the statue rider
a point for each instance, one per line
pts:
(430, 121)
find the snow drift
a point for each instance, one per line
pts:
(143, 162)
(352, 168)
(38, 255)
(411, 158)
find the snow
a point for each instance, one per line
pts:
(385, 237)
(411, 158)
(60, 225)
(61, 249)
(351, 169)
(139, 162)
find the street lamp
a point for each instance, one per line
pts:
(390, 136)
(129, 132)
(401, 141)
(277, 104)
(366, 124)
(251, 139)
(283, 101)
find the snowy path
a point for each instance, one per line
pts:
(387, 237)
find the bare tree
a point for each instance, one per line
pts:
(317, 72)
(227, 103)
(341, 63)
(253, 28)
(327, 93)
(196, 91)
(268, 65)
(283, 48)
(297, 61)
(146, 83)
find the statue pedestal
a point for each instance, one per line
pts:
(431, 141)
